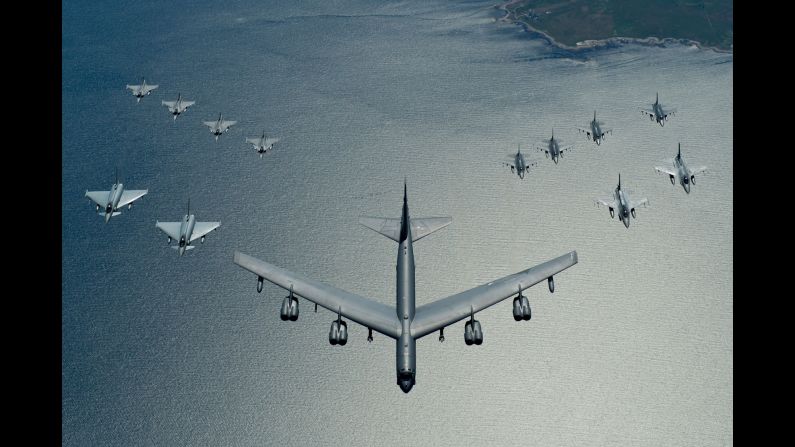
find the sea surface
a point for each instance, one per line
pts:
(633, 348)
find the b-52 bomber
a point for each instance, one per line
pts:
(220, 126)
(139, 91)
(552, 148)
(179, 106)
(186, 231)
(656, 113)
(520, 165)
(405, 323)
(622, 204)
(595, 132)
(109, 202)
(262, 144)
(680, 172)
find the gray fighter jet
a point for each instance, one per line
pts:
(621, 203)
(186, 231)
(108, 202)
(553, 149)
(139, 91)
(595, 132)
(680, 172)
(656, 113)
(262, 144)
(178, 106)
(403, 322)
(520, 165)
(220, 126)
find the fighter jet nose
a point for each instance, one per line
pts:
(406, 385)
(687, 188)
(107, 217)
(181, 251)
(626, 223)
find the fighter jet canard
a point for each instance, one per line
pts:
(404, 323)
(657, 113)
(108, 203)
(220, 126)
(186, 231)
(596, 131)
(622, 203)
(139, 91)
(520, 165)
(679, 172)
(552, 148)
(262, 144)
(179, 106)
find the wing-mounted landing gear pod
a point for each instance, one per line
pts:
(338, 334)
(521, 307)
(289, 307)
(472, 331)
(260, 282)
(551, 284)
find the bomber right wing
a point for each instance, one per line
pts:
(368, 313)
(431, 317)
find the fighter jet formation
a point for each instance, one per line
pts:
(405, 322)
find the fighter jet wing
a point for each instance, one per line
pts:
(666, 170)
(254, 141)
(202, 228)
(130, 195)
(647, 112)
(210, 124)
(169, 104)
(149, 88)
(668, 113)
(170, 228)
(98, 197)
(607, 202)
(368, 313)
(227, 124)
(186, 104)
(444, 312)
(585, 131)
(636, 203)
(698, 170)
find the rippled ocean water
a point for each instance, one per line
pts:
(633, 348)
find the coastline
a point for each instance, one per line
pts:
(591, 44)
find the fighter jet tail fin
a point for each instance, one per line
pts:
(420, 227)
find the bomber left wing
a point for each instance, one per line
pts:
(368, 313)
(431, 317)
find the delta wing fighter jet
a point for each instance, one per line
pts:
(139, 91)
(404, 322)
(595, 131)
(220, 126)
(179, 106)
(520, 165)
(262, 144)
(621, 203)
(552, 148)
(186, 231)
(656, 113)
(679, 172)
(108, 203)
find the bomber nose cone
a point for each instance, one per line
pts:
(406, 385)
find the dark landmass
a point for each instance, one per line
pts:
(573, 22)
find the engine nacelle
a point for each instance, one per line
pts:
(612, 213)
(469, 335)
(633, 214)
(672, 179)
(343, 333)
(289, 309)
(338, 334)
(260, 282)
(517, 309)
(551, 284)
(477, 332)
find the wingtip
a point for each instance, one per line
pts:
(237, 257)
(574, 256)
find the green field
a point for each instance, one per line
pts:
(572, 21)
